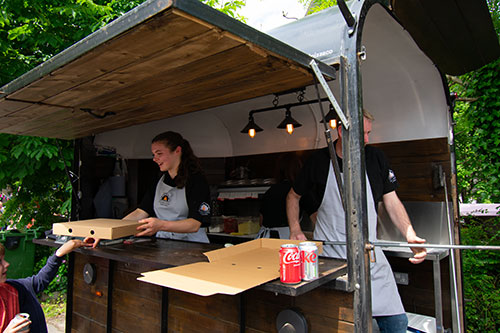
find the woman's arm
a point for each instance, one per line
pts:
(149, 226)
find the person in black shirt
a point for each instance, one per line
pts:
(317, 176)
(273, 219)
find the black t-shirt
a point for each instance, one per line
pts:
(313, 176)
(273, 205)
(197, 197)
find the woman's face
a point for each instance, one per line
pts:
(3, 269)
(167, 160)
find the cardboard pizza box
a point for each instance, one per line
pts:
(97, 228)
(230, 271)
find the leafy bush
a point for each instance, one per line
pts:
(481, 272)
(59, 284)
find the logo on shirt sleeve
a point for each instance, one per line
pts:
(392, 176)
(204, 209)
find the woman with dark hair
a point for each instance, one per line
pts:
(177, 207)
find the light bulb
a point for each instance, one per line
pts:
(251, 132)
(333, 123)
(289, 128)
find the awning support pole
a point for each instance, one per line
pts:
(331, 149)
(329, 93)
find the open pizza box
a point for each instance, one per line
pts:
(97, 228)
(230, 271)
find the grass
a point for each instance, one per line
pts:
(54, 305)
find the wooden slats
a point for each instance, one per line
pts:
(89, 308)
(325, 310)
(169, 65)
(7, 107)
(413, 163)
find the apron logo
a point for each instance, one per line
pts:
(165, 199)
(392, 176)
(204, 209)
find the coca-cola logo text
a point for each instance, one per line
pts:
(291, 258)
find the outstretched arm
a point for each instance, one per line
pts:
(149, 226)
(401, 220)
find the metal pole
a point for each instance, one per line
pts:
(452, 255)
(356, 213)
(428, 246)
(329, 142)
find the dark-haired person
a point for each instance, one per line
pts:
(178, 206)
(273, 219)
(20, 295)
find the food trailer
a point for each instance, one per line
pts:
(180, 65)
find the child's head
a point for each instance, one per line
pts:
(3, 264)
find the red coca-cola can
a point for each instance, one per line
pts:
(290, 264)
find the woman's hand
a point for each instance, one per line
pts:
(71, 245)
(17, 326)
(149, 226)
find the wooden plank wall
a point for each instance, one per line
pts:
(137, 306)
(326, 310)
(413, 163)
(89, 309)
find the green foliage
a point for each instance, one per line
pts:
(477, 138)
(59, 283)
(34, 171)
(317, 5)
(33, 31)
(477, 134)
(227, 7)
(481, 272)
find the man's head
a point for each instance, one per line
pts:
(367, 126)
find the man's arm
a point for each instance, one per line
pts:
(292, 212)
(401, 220)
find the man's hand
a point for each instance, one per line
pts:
(149, 226)
(419, 253)
(298, 235)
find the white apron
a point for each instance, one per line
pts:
(170, 204)
(330, 225)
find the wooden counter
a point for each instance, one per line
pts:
(118, 302)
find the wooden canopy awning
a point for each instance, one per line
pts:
(162, 59)
(457, 35)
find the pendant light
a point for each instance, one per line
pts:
(289, 123)
(251, 128)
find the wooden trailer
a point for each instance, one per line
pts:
(180, 65)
